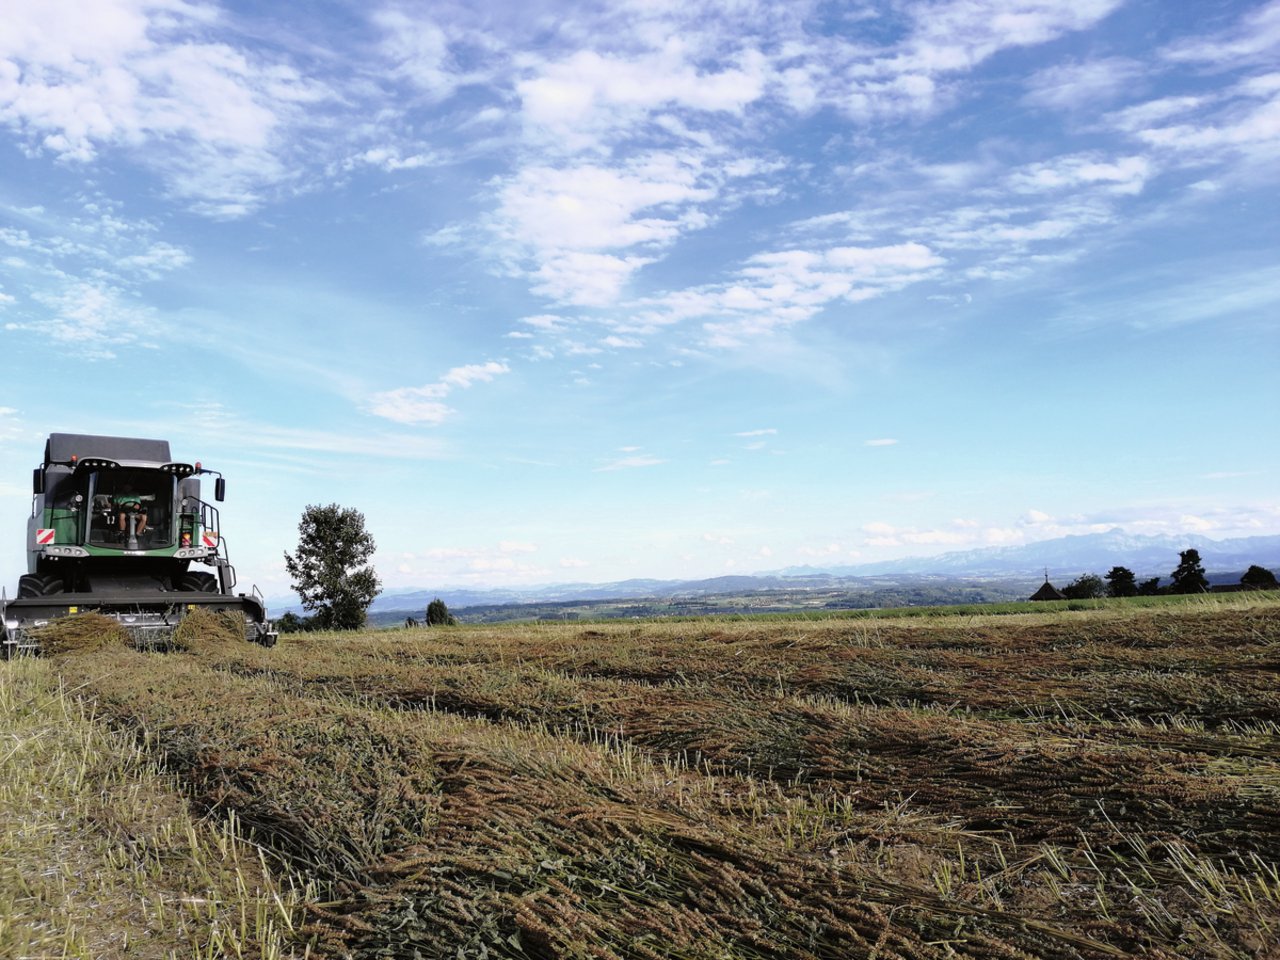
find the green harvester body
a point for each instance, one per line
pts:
(119, 528)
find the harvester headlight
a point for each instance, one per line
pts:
(65, 552)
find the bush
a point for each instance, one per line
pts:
(438, 614)
(1087, 586)
(1259, 578)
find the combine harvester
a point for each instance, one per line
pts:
(116, 527)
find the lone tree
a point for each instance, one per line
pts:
(438, 614)
(1259, 578)
(1087, 586)
(330, 571)
(1121, 582)
(1189, 577)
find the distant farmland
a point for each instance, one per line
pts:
(1072, 784)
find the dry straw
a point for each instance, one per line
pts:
(1072, 786)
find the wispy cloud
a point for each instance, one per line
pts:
(631, 462)
(136, 73)
(1230, 294)
(1084, 85)
(94, 321)
(425, 404)
(587, 100)
(1254, 38)
(776, 290)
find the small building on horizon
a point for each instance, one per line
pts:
(1048, 591)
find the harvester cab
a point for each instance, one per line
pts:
(118, 527)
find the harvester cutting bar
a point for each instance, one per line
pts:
(150, 619)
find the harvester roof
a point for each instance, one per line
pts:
(63, 446)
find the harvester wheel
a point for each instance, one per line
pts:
(199, 582)
(36, 585)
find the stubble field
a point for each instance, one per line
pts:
(1073, 785)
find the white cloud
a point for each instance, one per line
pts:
(588, 98)
(622, 343)
(1243, 122)
(775, 290)
(881, 442)
(826, 551)
(479, 564)
(1229, 294)
(391, 159)
(1084, 86)
(1123, 175)
(587, 228)
(417, 49)
(159, 259)
(425, 404)
(766, 432)
(585, 279)
(473, 373)
(1254, 38)
(780, 289)
(137, 75)
(591, 207)
(630, 463)
(410, 405)
(93, 320)
(545, 321)
(982, 27)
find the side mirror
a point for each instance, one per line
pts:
(37, 481)
(220, 489)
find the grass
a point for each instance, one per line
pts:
(1069, 784)
(99, 855)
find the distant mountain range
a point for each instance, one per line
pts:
(1068, 557)
(1065, 558)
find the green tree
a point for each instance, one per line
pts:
(1087, 586)
(292, 623)
(1149, 588)
(1259, 578)
(330, 571)
(1121, 582)
(1189, 576)
(438, 614)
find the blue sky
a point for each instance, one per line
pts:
(557, 292)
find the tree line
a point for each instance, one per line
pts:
(1187, 577)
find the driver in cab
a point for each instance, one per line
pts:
(127, 502)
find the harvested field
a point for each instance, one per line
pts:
(1076, 785)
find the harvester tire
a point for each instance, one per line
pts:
(199, 583)
(36, 585)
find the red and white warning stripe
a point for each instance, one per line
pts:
(44, 536)
(210, 538)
